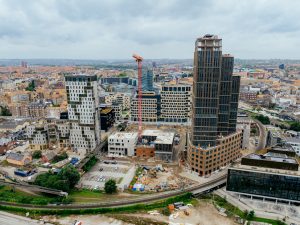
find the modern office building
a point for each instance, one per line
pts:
(147, 79)
(150, 107)
(176, 103)
(213, 142)
(273, 176)
(107, 116)
(82, 96)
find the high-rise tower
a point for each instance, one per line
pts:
(84, 117)
(214, 107)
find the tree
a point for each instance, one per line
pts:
(30, 87)
(251, 215)
(5, 111)
(71, 174)
(110, 186)
(263, 119)
(65, 180)
(37, 154)
(295, 126)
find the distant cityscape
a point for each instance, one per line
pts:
(161, 127)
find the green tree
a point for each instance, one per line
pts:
(5, 111)
(37, 154)
(263, 119)
(251, 215)
(110, 186)
(70, 174)
(30, 87)
(65, 180)
(295, 126)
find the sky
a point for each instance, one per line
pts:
(114, 29)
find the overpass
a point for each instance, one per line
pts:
(35, 188)
(196, 190)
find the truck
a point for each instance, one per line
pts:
(21, 173)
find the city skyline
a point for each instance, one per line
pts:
(114, 29)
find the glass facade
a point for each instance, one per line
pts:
(264, 184)
(215, 93)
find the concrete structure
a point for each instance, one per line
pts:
(37, 135)
(273, 176)
(150, 107)
(122, 144)
(123, 99)
(295, 143)
(82, 96)
(213, 142)
(162, 141)
(176, 103)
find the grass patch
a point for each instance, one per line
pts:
(84, 193)
(233, 210)
(9, 194)
(129, 209)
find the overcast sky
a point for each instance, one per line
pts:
(114, 29)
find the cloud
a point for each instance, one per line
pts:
(157, 29)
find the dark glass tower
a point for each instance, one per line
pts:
(215, 93)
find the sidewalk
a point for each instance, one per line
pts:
(243, 205)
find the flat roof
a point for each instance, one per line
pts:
(162, 137)
(272, 157)
(292, 139)
(123, 135)
(265, 170)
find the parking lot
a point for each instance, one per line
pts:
(120, 171)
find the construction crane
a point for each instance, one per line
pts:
(139, 60)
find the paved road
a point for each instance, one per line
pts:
(262, 136)
(11, 219)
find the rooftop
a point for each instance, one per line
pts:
(123, 135)
(162, 137)
(275, 157)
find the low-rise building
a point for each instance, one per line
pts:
(273, 176)
(18, 159)
(122, 144)
(163, 142)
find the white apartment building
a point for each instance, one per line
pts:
(37, 134)
(122, 144)
(176, 103)
(118, 111)
(150, 102)
(123, 99)
(82, 95)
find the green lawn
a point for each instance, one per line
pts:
(15, 195)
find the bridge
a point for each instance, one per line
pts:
(196, 190)
(35, 188)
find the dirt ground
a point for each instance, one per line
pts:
(86, 220)
(203, 214)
